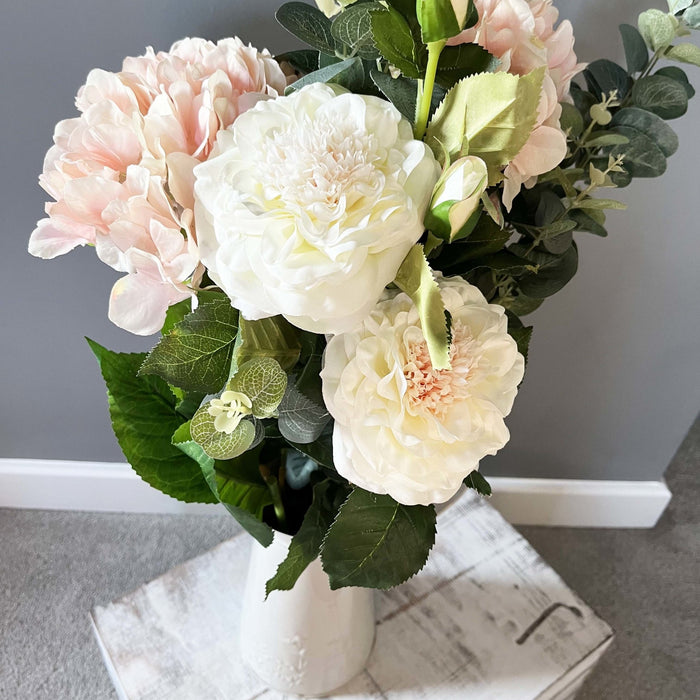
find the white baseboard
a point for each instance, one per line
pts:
(114, 487)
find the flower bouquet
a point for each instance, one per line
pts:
(337, 245)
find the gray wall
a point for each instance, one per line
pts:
(612, 384)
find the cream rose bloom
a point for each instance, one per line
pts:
(402, 427)
(310, 203)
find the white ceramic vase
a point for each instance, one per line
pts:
(310, 640)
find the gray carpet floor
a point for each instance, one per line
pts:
(54, 567)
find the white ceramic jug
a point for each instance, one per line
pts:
(310, 640)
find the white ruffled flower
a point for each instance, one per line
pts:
(310, 203)
(402, 427)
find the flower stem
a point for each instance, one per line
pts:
(274, 487)
(434, 50)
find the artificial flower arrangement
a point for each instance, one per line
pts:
(337, 246)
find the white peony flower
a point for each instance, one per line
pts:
(310, 203)
(402, 427)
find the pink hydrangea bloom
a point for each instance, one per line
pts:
(121, 172)
(521, 34)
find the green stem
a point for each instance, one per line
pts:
(434, 50)
(274, 488)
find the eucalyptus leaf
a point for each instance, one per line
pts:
(657, 28)
(353, 27)
(264, 382)
(604, 76)
(642, 156)
(349, 74)
(684, 53)
(308, 24)
(376, 542)
(661, 95)
(571, 120)
(676, 6)
(692, 16)
(595, 203)
(142, 410)
(608, 138)
(649, 124)
(217, 444)
(636, 52)
(584, 222)
(301, 420)
(554, 273)
(523, 305)
(415, 278)
(196, 354)
(401, 92)
(303, 60)
(680, 76)
(490, 115)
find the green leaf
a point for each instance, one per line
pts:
(604, 76)
(598, 139)
(649, 124)
(679, 75)
(353, 27)
(692, 16)
(301, 420)
(321, 450)
(244, 500)
(142, 409)
(308, 24)
(272, 337)
(585, 223)
(415, 278)
(636, 51)
(175, 314)
(523, 305)
(489, 115)
(196, 354)
(401, 92)
(182, 439)
(376, 542)
(502, 261)
(458, 62)
(657, 28)
(306, 544)
(676, 6)
(571, 120)
(476, 481)
(217, 444)
(394, 40)
(303, 60)
(264, 382)
(349, 74)
(553, 274)
(661, 95)
(684, 53)
(595, 203)
(642, 156)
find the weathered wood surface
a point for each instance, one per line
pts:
(486, 619)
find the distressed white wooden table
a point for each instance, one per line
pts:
(486, 619)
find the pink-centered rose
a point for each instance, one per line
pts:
(121, 172)
(521, 34)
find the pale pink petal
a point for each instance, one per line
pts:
(57, 236)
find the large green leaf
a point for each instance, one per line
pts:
(306, 544)
(401, 92)
(680, 76)
(196, 354)
(604, 76)
(142, 409)
(489, 115)
(661, 95)
(309, 24)
(458, 62)
(394, 40)
(553, 273)
(376, 542)
(415, 278)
